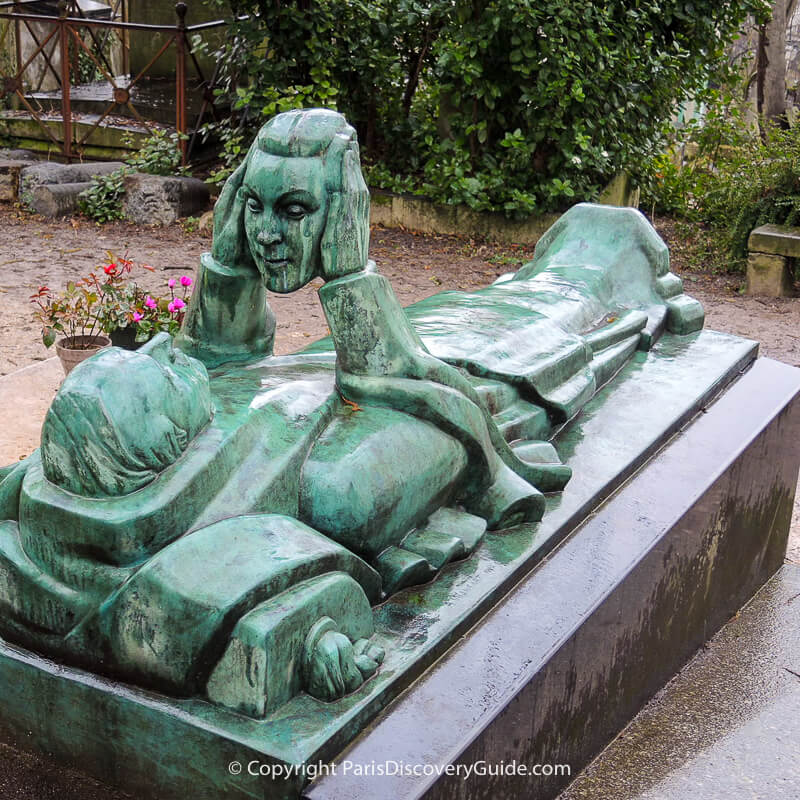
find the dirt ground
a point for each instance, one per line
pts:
(35, 252)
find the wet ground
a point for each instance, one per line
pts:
(726, 727)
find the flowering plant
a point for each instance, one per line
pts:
(151, 315)
(87, 307)
(103, 302)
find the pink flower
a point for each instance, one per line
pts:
(171, 307)
(137, 316)
(178, 303)
(171, 283)
(150, 303)
(186, 281)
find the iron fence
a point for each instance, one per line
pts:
(74, 28)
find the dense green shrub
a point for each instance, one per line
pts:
(507, 104)
(158, 154)
(753, 184)
(675, 180)
(102, 201)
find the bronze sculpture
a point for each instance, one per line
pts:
(232, 546)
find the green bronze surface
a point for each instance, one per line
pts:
(246, 531)
(604, 445)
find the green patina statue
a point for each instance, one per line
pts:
(210, 520)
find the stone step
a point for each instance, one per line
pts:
(57, 199)
(161, 200)
(153, 98)
(10, 169)
(778, 240)
(768, 267)
(51, 174)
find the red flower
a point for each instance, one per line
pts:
(111, 269)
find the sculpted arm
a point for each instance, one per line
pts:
(228, 318)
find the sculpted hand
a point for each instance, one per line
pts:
(230, 242)
(346, 240)
(332, 671)
(333, 665)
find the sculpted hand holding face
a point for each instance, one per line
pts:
(296, 208)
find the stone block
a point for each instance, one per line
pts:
(262, 665)
(17, 154)
(778, 240)
(421, 214)
(58, 199)
(769, 275)
(206, 222)
(158, 200)
(620, 192)
(47, 173)
(9, 179)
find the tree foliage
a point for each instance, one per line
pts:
(508, 104)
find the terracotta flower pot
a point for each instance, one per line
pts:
(74, 349)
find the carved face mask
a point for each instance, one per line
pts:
(286, 206)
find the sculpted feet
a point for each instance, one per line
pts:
(509, 501)
(334, 666)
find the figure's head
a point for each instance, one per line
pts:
(121, 417)
(306, 206)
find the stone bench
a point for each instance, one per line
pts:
(771, 251)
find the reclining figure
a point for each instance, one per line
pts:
(208, 519)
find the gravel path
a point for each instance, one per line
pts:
(36, 252)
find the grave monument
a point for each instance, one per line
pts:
(257, 553)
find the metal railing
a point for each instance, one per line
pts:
(72, 28)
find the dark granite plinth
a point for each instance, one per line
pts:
(728, 726)
(571, 654)
(559, 665)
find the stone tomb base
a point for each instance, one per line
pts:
(562, 663)
(507, 659)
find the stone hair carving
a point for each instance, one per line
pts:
(123, 417)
